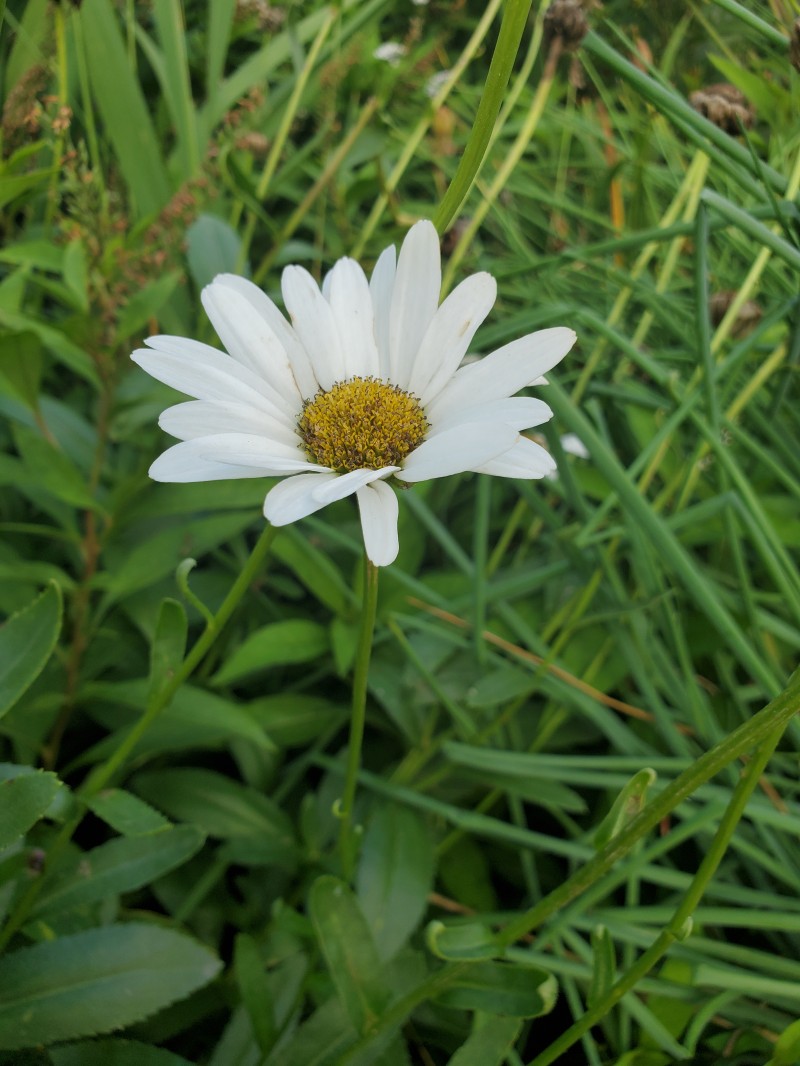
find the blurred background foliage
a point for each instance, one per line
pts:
(538, 643)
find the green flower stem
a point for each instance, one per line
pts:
(102, 774)
(512, 27)
(347, 836)
(680, 925)
(772, 719)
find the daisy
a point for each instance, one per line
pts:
(362, 386)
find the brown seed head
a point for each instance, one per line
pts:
(725, 106)
(566, 19)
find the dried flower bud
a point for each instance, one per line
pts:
(794, 45)
(748, 316)
(566, 19)
(725, 106)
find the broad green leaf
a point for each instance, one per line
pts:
(53, 470)
(97, 981)
(126, 813)
(120, 865)
(297, 640)
(212, 247)
(349, 950)
(27, 640)
(146, 303)
(314, 569)
(464, 942)
(251, 978)
(787, 1048)
(169, 644)
(488, 1045)
(395, 875)
(23, 801)
(293, 719)
(115, 1053)
(625, 807)
(21, 366)
(223, 808)
(44, 255)
(503, 988)
(126, 117)
(76, 272)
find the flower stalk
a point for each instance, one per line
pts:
(347, 831)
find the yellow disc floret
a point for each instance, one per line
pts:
(362, 424)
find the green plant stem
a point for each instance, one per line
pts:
(772, 718)
(161, 699)
(680, 925)
(347, 836)
(512, 27)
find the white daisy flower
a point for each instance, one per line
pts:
(363, 386)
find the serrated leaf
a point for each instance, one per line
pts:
(126, 813)
(27, 640)
(23, 801)
(96, 981)
(502, 988)
(488, 1045)
(120, 865)
(395, 875)
(223, 808)
(296, 640)
(349, 950)
(115, 1053)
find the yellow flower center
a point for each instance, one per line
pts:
(362, 424)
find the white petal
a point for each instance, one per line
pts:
(415, 297)
(347, 484)
(525, 460)
(519, 412)
(504, 372)
(207, 374)
(377, 503)
(200, 418)
(188, 462)
(464, 447)
(251, 449)
(449, 335)
(250, 339)
(293, 498)
(314, 323)
(381, 285)
(573, 445)
(352, 308)
(301, 365)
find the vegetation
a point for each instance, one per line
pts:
(577, 814)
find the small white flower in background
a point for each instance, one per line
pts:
(435, 82)
(390, 52)
(572, 445)
(362, 386)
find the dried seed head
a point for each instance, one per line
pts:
(566, 19)
(748, 316)
(725, 106)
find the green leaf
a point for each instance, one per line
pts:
(787, 1048)
(604, 964)
(395, 875)
(463, 942)
(51, 469)
(115, 1053)
(121, 103)
(223, 808)
(126, 813)
(23, 801)
(96, 981)
(503, 988)
(120, 865)
(488, 1045)
(169, 644)
(254, 987)
(314, 569)
(297, 640)
(27, 640)
(293, 719)
(212, 247)
(21, 366)
(349, 950)
(76, 273)
(625, 807)
(146, 304)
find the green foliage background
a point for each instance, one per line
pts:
(539, 645)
